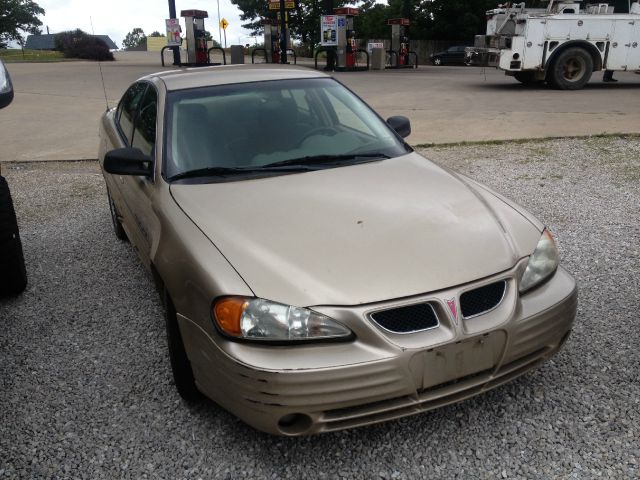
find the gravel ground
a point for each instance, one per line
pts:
(87, 390)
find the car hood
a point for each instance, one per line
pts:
(358, 234)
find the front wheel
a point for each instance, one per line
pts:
(571, 70)
(437, 61)
(13, 273)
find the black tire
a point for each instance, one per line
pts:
(13, 273)
(437, 61)
(571, 70)
(117, 226)
(527, 78)
(180, 365)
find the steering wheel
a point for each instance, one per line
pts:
(320, 131)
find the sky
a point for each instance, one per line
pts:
(118, 17)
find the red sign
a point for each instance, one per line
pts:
(352, 12)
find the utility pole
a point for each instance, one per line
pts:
(220, 28)
(327, 9)
(283, 33)
(172, 14)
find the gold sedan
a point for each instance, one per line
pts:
(317, 273)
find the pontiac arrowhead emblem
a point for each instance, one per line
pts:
(451, 303)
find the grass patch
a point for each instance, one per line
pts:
(17, 55)
(518, 141)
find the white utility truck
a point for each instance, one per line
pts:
(562, 44)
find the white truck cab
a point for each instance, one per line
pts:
(562, 44)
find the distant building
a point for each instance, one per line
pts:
(47, 42)
(155, 44)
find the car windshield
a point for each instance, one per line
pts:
(272, 126)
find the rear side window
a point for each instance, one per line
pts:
(127, 109)
(144, 133)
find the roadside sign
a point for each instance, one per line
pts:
(372, 45)
(224, 24)
(288, 4)
(328, 29)
(173, 32)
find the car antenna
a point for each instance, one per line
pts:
(104, 89)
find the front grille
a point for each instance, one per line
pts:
(411, 318)
(481, 300)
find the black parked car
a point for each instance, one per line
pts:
(452, 56)
(13, 275)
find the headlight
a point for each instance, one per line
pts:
(259, 319)
(542, 263)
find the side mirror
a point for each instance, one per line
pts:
(6, 87)
(401, 125)
(128, 161)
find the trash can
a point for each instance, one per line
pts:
(237, 54)
(377, 59)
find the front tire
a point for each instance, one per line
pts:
(571, 70)
(13, 273)
(437, 61)
(180, 364)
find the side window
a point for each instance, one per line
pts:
(144, 133)
(127, 109)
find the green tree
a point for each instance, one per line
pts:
(18, 16)
(157, 34)
(430, 19)
(134, 38)
(78, 44)
(372, 21)
(459, 20)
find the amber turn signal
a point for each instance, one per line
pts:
(227, 312)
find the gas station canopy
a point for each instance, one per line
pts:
(194, 13)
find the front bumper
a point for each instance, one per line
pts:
(319, 388)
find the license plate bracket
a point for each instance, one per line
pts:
(460, 359)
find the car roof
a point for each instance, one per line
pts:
(229, 74)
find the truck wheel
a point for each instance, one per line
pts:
(117, 226)
(526, 78)
(180, 364)
(571, 70)
(13, 274)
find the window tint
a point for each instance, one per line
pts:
(257, 124)
(301, 99)
(127, 109)
(144, 135)
(347, 113)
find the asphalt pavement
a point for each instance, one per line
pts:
(86, 385)
(57, 106)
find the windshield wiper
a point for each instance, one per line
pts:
(330, 159)
(302, 164)
(231, 171)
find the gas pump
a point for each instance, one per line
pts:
(195, 35)
(338, 36)
(272, 50)
(272, 40)
(400, 44)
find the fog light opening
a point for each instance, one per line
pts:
(295, 423)
(516, 56)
